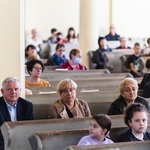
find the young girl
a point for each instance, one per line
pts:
(136, 119)
(98, 130)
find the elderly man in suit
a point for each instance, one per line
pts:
(12, 106)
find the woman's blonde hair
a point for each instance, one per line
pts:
(125, 82)
(65, 84)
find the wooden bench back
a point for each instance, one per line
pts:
(137, 145)
(49, 139)
(16, 133)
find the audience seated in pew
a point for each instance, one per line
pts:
(146, 77)
(52, 38)
(49, 139)
(59, 57)
(112, 36)
(68, 106)
(98, 57)
(12, 107)
(34, 39)
(133, 63)
(20, 131)
(99, 129)
(31, 53)
(35, 69)
(75, 61)
(136, 117)
(123, 44)
(128, 95)
(71, 36)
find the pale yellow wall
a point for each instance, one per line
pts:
(11, 40)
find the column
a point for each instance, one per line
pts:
(12, 40)
(88, 27)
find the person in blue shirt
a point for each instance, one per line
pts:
(98, 57)
(58, 57)
(12, 106)
(112, 36)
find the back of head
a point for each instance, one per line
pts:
(103, 120)
(129, 112)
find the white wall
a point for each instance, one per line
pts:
(46, 14)
(129, 16)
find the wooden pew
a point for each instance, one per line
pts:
(49, 140)
(112, 59)
(137, 145)
(41, 110)
(16, 133)
(87, 96)
(37, 90)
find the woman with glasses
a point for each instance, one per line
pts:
(128, 95)
(75, 61)
(35, 69)
(59, 57)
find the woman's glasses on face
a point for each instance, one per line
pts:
(38, 69)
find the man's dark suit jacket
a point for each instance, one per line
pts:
(24, 110)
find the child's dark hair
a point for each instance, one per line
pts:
(103, 120)
(129, 112)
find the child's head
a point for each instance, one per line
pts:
(136, 117)
(100, 126)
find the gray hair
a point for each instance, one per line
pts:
(10, 79)
(65, 84)
(127, 81)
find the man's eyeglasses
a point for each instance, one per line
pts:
(61, 50)
(38, 69)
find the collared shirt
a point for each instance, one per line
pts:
(12, 111)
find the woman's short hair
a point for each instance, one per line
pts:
(74, 52)
(65, 84)
(30, 64)
(103, 120)
(27, 49)
(129, 112)
(125, 82)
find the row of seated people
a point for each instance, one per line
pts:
(14, 108)
(36, 67)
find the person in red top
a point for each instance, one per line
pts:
(75, 61)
